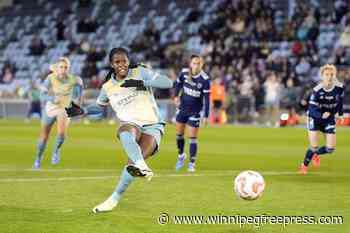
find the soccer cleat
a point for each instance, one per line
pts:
(316, 160)
(140, 170)
(180, 162)
(37, 164)
(191, 167)
(55, 158)
(105, 206)
(303, 169)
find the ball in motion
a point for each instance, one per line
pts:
(249, 185)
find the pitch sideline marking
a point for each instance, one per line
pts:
(216, 174)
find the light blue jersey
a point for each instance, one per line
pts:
(56, 94)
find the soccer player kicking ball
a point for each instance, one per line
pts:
(325, 103)
(59, 89)
(129, 92)
(192, 90)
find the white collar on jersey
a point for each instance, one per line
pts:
(328, 90)
(197, 76)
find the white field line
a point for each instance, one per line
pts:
(212, 174)
(56, 170)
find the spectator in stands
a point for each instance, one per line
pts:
(95, 82)
(345, 37)
(95, 54)
(7, 76)
(341, 57)
(34, 101)
(302, 69)
(60, 28)
(7, 85)
(231, 101)
(84, 47)
(246, 98)
(89, 70)
(290, 95)
(37, 46)
(84, 3)
(87, 25)
(272, 99)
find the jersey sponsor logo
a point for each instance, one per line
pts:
(127, 100)
(328, 105)
(191, 92)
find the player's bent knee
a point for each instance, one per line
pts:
(314, 148)
(132, 130)
(148, 147)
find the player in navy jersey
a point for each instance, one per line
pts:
(326, 102)
(192, 90)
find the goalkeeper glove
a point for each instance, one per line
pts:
(74, 110)
(139, 84)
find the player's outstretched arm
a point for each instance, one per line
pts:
(92, 111)
(159, 81)
(95, 111)
(152, 78)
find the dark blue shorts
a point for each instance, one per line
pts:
(325, 126)
(191, 119)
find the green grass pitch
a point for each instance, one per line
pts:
(59, 199)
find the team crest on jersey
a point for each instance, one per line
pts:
(199, 85)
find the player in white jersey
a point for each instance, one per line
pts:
(59, 89)
(129, 92)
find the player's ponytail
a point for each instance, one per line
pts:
(109, 75)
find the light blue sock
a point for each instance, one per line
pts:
(58, 144)
(130, 146)
(40, 148)
(124, 182)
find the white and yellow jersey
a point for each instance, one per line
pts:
(129, 104)
(58, 93)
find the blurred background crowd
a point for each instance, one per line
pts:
(263, 56)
